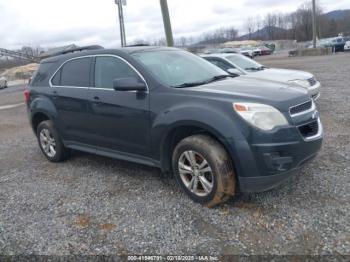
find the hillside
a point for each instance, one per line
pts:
(273, 32)
(338, 14)
(265, 33)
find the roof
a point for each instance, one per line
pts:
(55, 50)
(125, 50)
(222, 55)
(138, 49)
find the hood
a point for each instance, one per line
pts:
(247, 89)
(282, 75)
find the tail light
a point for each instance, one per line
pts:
(26, 95)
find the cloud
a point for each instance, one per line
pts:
(51, 23)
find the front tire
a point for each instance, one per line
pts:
(204, 170)
(50, 143)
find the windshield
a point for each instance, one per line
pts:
(179, 68)
(245, 63)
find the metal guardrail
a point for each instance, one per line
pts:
(19, 55)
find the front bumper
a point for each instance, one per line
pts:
(263, 166)
(262, 184)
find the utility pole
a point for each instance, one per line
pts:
(167, 23)
(120, 4)
(314, 23)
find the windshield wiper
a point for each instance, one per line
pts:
(260, 68)
(217, 78)
(190, 84)
(252, 68)
(213, 79)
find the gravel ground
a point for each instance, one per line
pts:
(95, 205)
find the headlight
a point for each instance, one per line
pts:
(261, 116)
(303, 83)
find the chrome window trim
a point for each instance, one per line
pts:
(96, 88)
(313, 107)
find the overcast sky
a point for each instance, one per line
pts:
(50, 23)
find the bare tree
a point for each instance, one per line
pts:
(258, 24)
(249, 26)
(271, 23)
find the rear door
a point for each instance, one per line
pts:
(120, 118)
(71, 85)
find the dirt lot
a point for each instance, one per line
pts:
(95, 205)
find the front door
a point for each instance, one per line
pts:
(120, 119)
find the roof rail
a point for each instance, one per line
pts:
(136, 45)
(78, 49)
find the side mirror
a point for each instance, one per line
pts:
(128, 84)
(234, 71)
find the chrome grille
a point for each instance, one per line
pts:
(300, 108)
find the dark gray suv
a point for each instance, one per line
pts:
(170, 109)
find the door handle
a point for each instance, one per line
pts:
(54, 95)
(97, 101)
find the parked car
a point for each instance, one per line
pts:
(241, 65)
(265, 50)
(262, 50)
(248, 52)
(347, 46)
(336, 43)
(171, 109)
(3, 82)
(244, 51)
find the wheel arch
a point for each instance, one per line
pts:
(41, 109)
(181, 130)
(38, 118)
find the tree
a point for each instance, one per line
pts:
(249, 26)
(258, 24)
(270, 24)
(183, 41)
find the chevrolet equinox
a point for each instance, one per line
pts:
(170, 109)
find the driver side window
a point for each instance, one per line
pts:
(108, 68)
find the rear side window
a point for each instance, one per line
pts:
(75, 73)
(41, 76)
(109, 68)
(56, 81)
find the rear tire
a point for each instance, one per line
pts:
(204, 170)
(50, 142)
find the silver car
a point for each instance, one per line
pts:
(3, 82)
(347, 46)
(241, 65)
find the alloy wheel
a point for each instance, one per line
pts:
(48, 142)
(196, 173)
